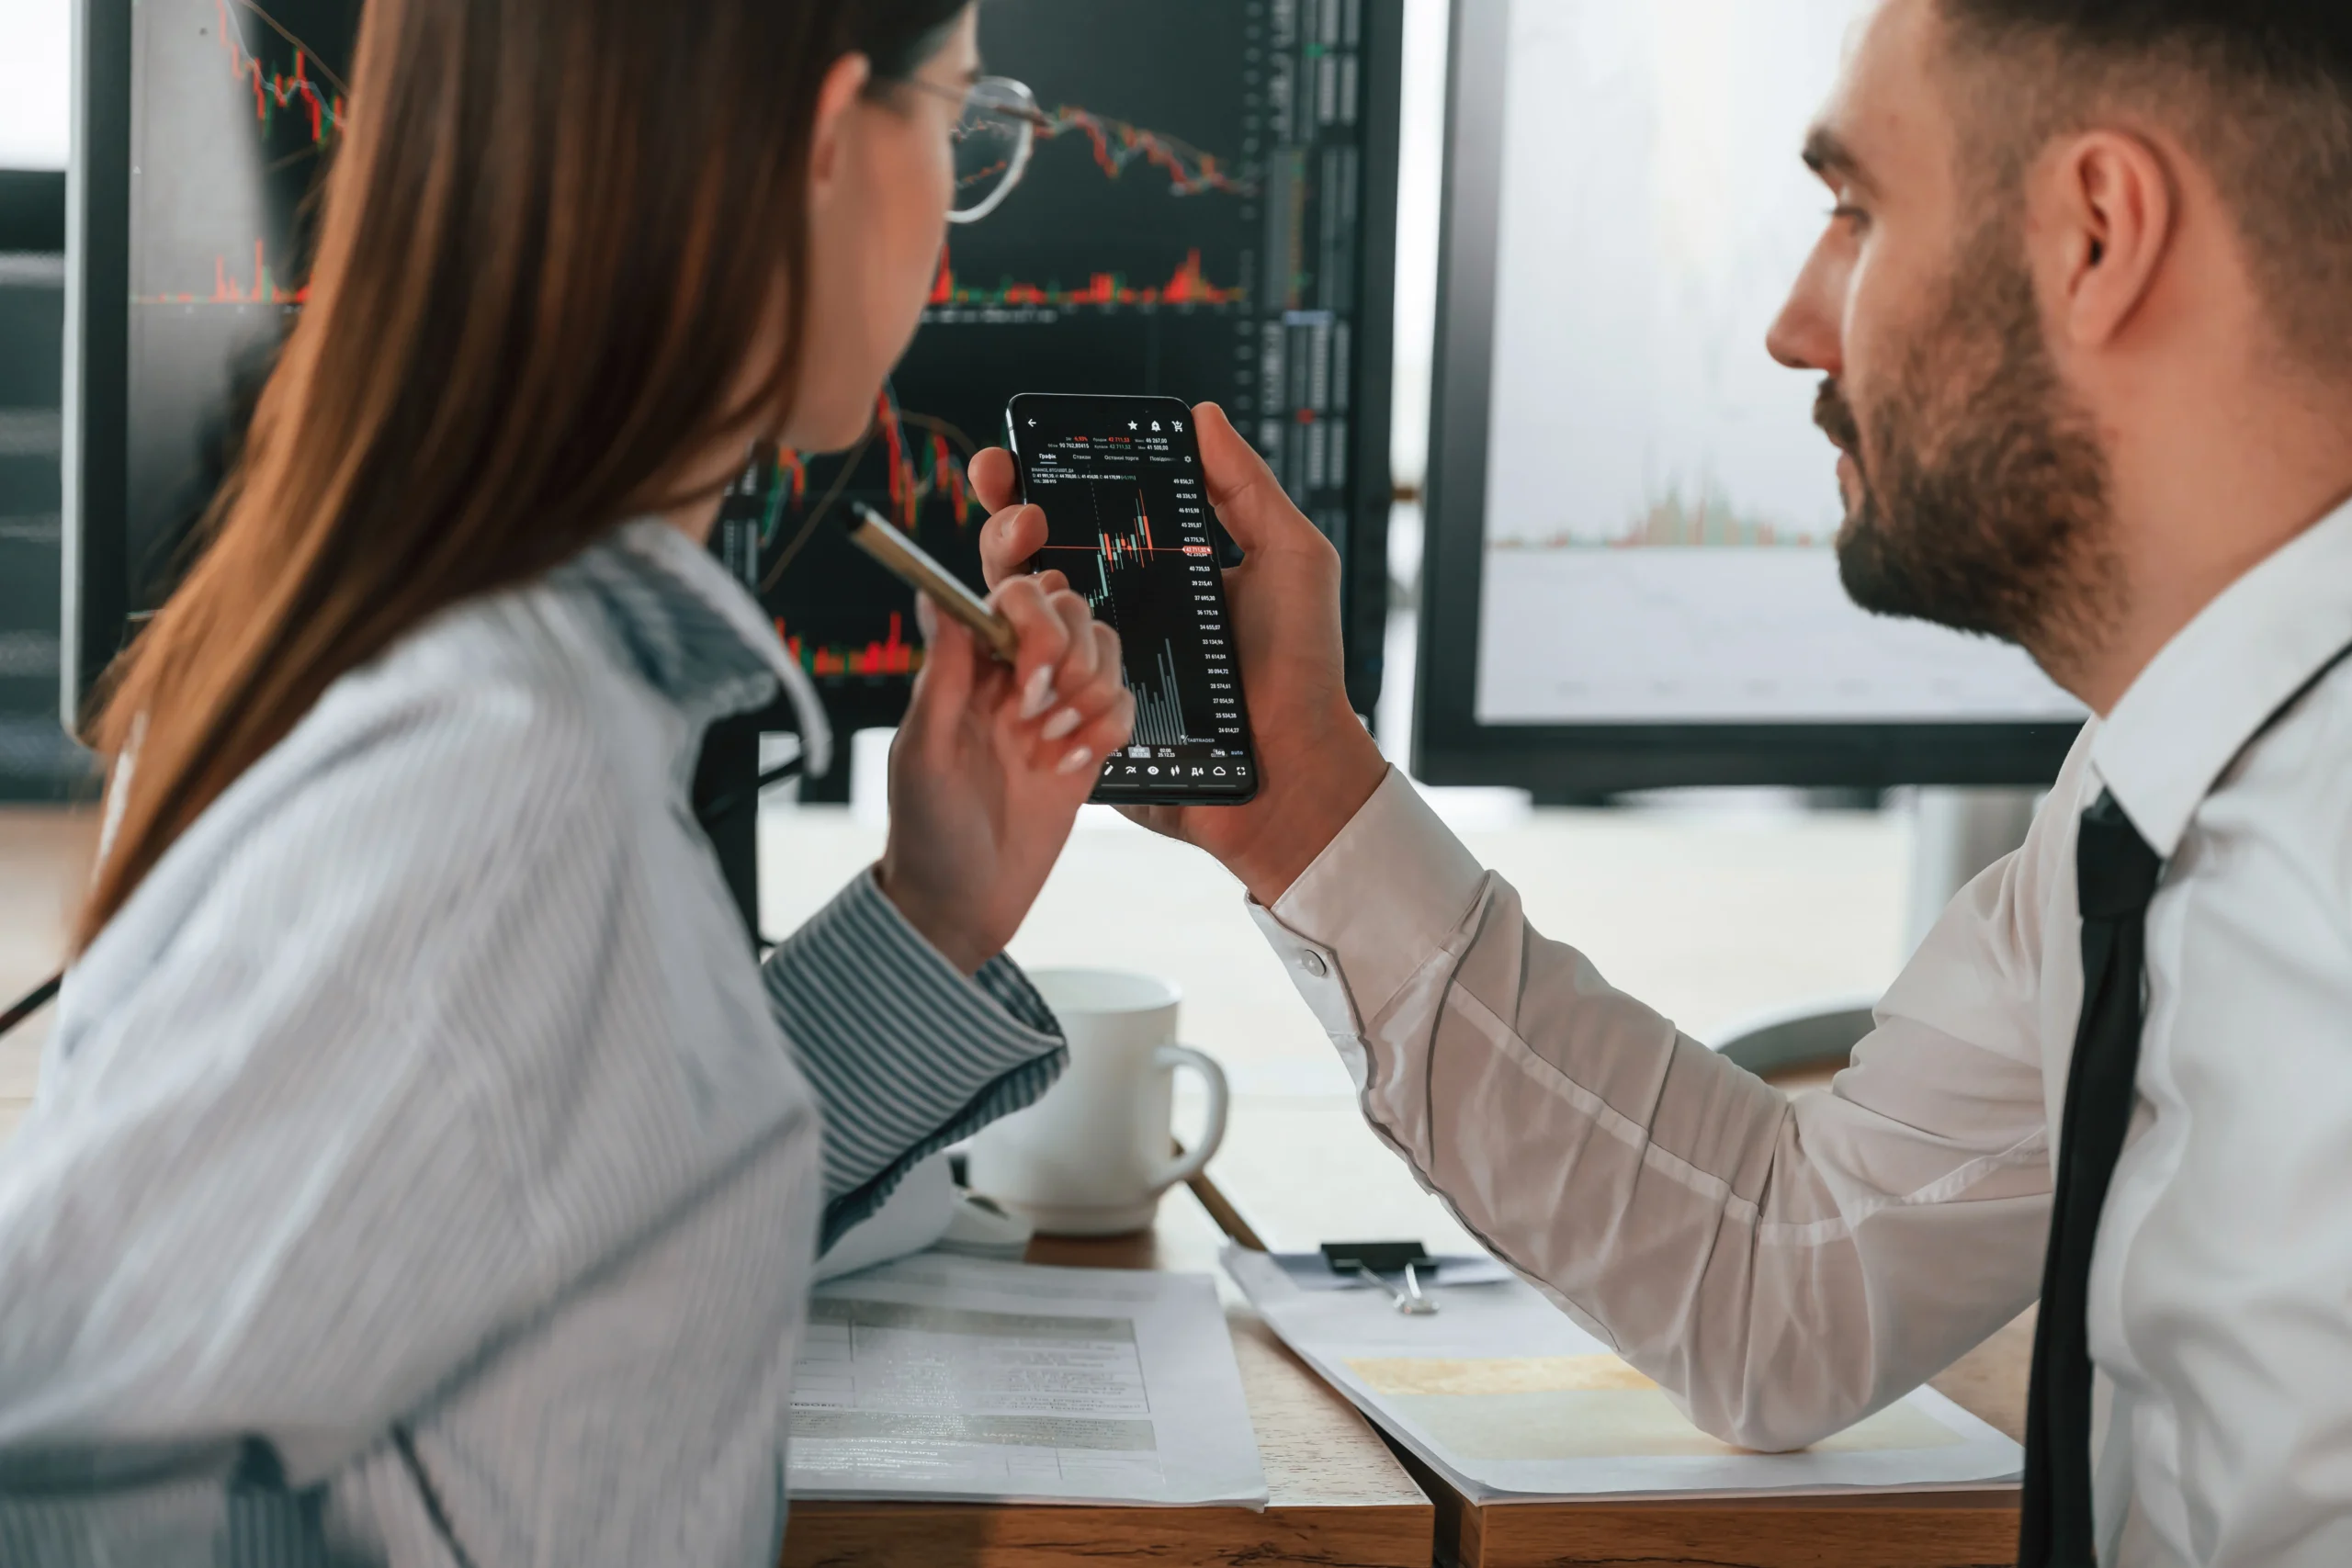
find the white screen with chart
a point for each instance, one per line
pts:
(1660, 509)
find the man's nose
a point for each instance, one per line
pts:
(1807, 333)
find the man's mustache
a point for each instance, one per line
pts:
(1834, 415)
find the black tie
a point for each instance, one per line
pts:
(2115, 876)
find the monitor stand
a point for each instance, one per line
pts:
(727, 804)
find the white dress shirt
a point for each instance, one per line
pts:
(1787, 1265)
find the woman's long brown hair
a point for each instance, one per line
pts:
(550, 241)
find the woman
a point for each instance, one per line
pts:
(421, 1173)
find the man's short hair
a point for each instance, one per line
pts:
(2259, 91)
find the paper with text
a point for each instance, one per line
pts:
(964, 1379)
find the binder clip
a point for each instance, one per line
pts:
(1374, 1260)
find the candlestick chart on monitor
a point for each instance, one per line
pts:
(243, 108)
(1190, 224)
(849, 622)
(240, 104)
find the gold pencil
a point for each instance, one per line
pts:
(908, 561)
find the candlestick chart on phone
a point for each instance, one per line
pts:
(1135, 580)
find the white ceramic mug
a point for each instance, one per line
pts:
(1094, 1156)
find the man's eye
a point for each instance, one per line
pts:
(1845, 212)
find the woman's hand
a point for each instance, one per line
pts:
(1315, 765)
(991, 764)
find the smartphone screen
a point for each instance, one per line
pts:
(1127, 522)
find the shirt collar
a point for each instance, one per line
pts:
(693, 632)
(2215, 685)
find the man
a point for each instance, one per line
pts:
(2085, 316)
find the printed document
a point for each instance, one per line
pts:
(954, 1379)
(1502, 1394)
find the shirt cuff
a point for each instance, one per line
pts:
(1384, 896)
(906, 1055)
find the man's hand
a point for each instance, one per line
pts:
(992, 763)
(1315, 765)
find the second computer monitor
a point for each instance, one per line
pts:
(1631, 581)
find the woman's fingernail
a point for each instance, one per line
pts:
(1061, 724)
(1039, 694)
(1079, 758)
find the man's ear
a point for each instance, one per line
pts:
(835, 97)
(2106, 206)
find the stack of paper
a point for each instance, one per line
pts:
(960, 1379)
(1506, 1398)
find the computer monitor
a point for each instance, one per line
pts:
(1630, 582)
(1211, 216)
(201, 126)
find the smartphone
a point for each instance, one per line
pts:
(1128, 523)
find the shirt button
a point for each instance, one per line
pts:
(1312, 963)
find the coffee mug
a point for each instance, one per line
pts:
(1095, 1155)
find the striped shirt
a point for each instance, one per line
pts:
(422, 1173)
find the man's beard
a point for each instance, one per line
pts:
(1984, 500)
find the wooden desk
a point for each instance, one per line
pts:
(1299, 1154)
(1337, 1497)
(45, 856)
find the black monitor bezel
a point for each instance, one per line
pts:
(1450, 745)
(1365, 591)
(95, 586)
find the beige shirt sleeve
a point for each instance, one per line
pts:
(1783, 1265)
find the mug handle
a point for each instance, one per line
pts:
(1189, 1164)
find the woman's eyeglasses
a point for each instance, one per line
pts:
(994, 135)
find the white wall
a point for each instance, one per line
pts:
(36, 82)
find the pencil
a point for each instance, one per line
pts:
(908, 561)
